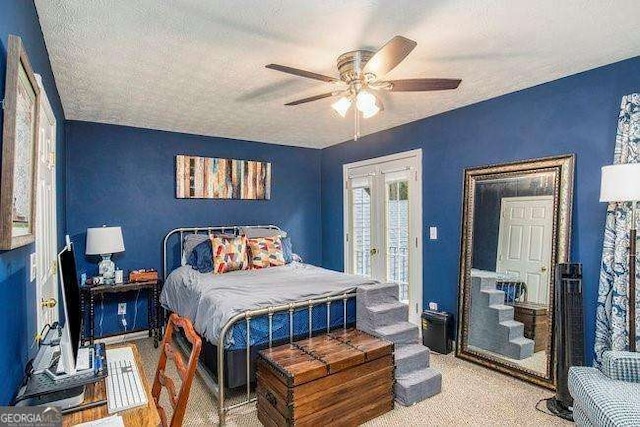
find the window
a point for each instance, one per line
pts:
(398, 236)
(362, 230)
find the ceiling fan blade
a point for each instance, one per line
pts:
(310, 99)
(423, 85)
(389, 56)
(302, 73)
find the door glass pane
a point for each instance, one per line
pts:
(361, 199)
(397, 216)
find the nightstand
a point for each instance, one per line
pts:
(88, 296)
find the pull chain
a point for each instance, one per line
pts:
(356, 124)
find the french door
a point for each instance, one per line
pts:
(383, 223)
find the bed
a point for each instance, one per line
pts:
(260, 308)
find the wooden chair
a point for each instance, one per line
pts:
(178, 400)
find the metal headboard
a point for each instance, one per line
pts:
(214, 229)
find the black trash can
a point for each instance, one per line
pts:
(437, 331)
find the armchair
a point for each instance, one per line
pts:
(607, 397)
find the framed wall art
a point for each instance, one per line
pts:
(213, 178)
(19, 148)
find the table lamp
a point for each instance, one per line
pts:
(621, 183)
(105, 241)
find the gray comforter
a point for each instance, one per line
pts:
(210, 300)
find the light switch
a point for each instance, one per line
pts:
(32, 267)
(433, 233)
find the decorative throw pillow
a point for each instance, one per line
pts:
(229, 254)
(189, 243)
(201, 258)
(266, 252)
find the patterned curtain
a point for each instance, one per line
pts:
(611, 315)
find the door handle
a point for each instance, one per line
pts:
(373, 251)
(543, 268)
(48, 303)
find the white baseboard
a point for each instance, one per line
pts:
(117, 339)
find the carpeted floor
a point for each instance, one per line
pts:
(537, 362)
(471, 395)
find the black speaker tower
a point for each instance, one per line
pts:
(568, 335)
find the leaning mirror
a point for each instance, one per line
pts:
(516, 227)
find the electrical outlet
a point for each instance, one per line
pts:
(122, 308)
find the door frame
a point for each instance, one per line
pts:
(416, 226)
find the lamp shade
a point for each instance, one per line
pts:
(104, 240)
(341, 106)
(620, 183)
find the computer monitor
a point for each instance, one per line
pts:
(70, 339)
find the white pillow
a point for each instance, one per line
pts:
(254, 233)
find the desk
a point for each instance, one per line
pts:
(142, 416)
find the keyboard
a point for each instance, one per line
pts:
(125, 389)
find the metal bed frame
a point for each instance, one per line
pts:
(217, 388)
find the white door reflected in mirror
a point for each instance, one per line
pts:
(525, 241)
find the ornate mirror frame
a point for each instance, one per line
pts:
(563, 168)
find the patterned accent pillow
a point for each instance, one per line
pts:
(229, 254)
(266, 252)
(621, 365)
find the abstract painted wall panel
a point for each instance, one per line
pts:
(213, 178)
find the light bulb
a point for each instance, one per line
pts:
(341, 106)
(366, 104)
(365, 101)
(371, 112)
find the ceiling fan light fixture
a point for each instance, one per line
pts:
(341, 106)
(371, 112)
(362, 73)
(366, 103)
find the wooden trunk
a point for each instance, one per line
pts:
(536, 322)
(341, 379)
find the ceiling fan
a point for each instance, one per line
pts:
(362, 73)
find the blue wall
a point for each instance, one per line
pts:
(576, 114)
(17, 295)
(126, 176)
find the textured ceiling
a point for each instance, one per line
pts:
(198, 66)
